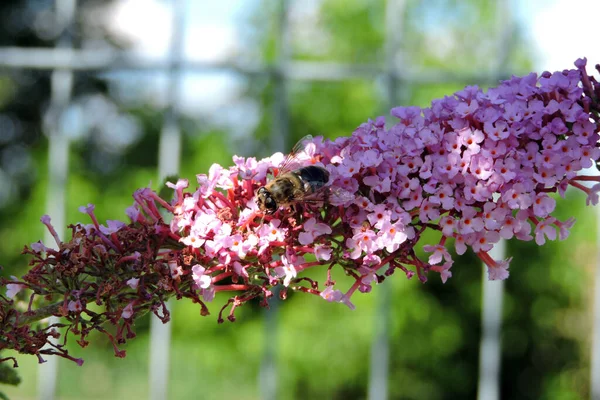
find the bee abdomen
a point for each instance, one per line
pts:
(316, 177)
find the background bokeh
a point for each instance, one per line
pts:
(228, 101)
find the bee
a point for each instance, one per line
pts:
(293, 184)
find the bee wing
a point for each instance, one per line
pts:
(330, 194)
(340, 197)
(291, 161)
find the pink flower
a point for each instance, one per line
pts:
(133, 283)
(366, 240)
(270, 232)
(208, 183)
(221, 240)
(460, 244)
(240, 269)
(446, 273)
(133, 212)
(112, 226)
(517, 197)
(379, 216)
(592, 198)
(484, 241)
(208, 294)
(331, 295)
(89, 209)
(391, 236)
(348, 168)
(13, 288)
(322, 252)
(202, 280)
(448, 225)
(509, 226)
(470, 222)
(346, 300)
(564, 227)
(490, 217)
(444, 270)
(179, 186)
(74, 306)
(481, 167)
(471, 139)
(39, 247)
(545, 229)
(241, 247)
(443, 196)
(313, 229)
(428, 211)
(543, 205)
(175, 269)
(378, 184)
(438, 252)
(353, 251)
(127, 311)
(499, 271)
(288, 270)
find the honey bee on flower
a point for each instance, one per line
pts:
(296, 183)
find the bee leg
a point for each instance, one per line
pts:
(298, 208)
(326, 194)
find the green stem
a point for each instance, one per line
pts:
(39, 314)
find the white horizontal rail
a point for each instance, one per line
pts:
(115, 60)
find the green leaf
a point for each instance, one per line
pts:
(8, 376)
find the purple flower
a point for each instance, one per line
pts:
(89, 209)
(112, 226)
(475, 166)
(39, 247)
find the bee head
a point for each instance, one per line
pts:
(265, 201)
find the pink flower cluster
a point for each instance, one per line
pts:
(474, 167)
(477, 167)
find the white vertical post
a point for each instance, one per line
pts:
(491, 324)
(268, 368)
(169, 154)
(380, 345)
(61, 83)
(280, 133)
(279, 140)
(490, 346)
(595, 367)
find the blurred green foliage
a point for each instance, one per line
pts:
(322, 349)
